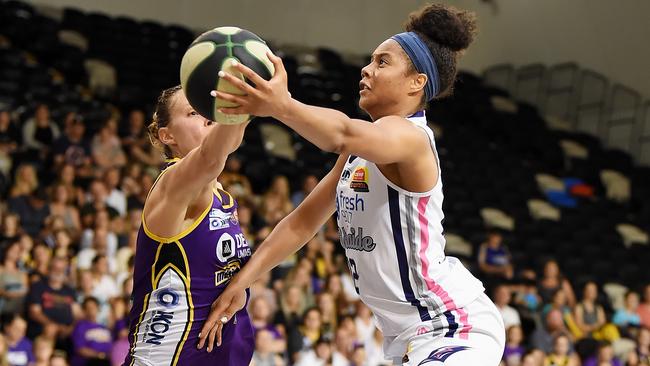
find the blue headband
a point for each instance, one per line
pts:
(422, 59)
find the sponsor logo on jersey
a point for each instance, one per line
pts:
(349, 203)
(225, 247)
(442, 354)
(158, 326)
(345, 176)
(167, 298)
(227, 272)
(359, 181)
(422, 330)
(356, 241)
(220, 220)
(234, 218)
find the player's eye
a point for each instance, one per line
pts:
(382, 61)
(193, 113)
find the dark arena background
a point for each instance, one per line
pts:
(544, 149)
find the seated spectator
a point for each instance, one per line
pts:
(502, 297)
(59, 358)
(119, 325)
(533, 357)
(43, 350)
(19, 352)
(374, 350)
(9, 140)
(329, 315)
(364, 323)
(115, 198)
(91, 341)
(494, 258)
(590, 316)
(562, 354)
(32, 210)
(543, 336)
(276, 203)
(106, 147)
(136, 143)
(260, 316)
(344, 341)
(10, 227)
(604, 357)
(644, 307)
(627, 316)
(264, 355)
(514, 351)
(73, 148)
(321, 354)
(61, 205)
(551, 281)
(39, 133)
(309, 182)
(305, 336)
(641, 355)
(25, 181)
(13, 281)
(40, 262)
(359, 355)
(51, 304)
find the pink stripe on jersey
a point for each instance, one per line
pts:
(431, 284)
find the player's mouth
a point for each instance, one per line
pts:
(363, 87)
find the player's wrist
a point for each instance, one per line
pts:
(285, 108)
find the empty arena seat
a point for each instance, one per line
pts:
(616, 184)
(632, 234)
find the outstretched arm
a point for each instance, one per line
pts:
(391, 139)
(188, 178)
(287, 237)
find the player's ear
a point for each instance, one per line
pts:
(166, 137)
(418, 82)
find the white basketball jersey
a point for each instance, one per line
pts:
(394, 243)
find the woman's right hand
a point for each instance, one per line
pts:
(231, 300)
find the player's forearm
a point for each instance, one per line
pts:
(220, 142)
(324, 127)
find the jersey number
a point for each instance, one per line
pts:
(355, 275)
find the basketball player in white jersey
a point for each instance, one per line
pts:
(386, 189)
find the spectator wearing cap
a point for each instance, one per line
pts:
(39, 133)
(32, 210)
(91, 340)
(51, 304)
(19, 352)
(13, 281)
(502, 297)
(627, 316)
(494, 258)
(604, 357)
(644, 307)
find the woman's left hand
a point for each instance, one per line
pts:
(266, 98)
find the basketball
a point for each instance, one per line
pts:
(215, 51)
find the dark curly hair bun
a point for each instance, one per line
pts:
(445, 25)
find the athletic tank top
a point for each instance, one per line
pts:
(394, 243)
(175, 282)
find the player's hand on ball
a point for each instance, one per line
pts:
(222, 310)
(266, 98)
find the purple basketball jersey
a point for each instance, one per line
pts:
(175, 282)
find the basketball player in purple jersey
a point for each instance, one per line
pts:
(189, 244)
(386, 189)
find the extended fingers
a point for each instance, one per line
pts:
(236, 82)
(249, 73)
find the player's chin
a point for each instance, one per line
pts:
(365, 102)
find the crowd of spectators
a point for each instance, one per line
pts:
(72, 199)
